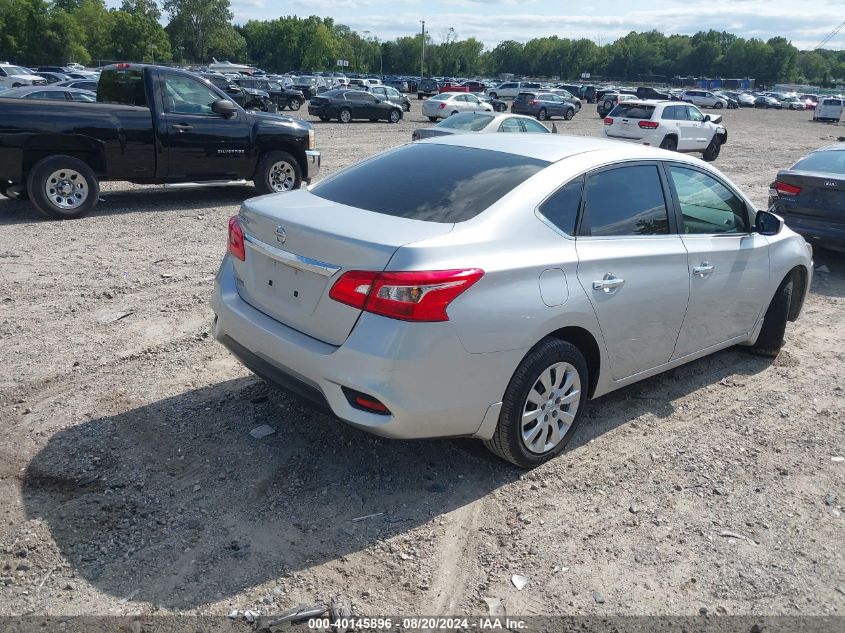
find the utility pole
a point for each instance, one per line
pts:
(422, 57)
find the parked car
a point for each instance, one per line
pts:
(647, 92)
(510, 89)
(451, 86)
(481, 123)
(767, 102)
(743, 99)
(427, 88)
(474, 86)
(678, 127)
(810, 196)
(704, 99)
(309, 85)
(53, 78)
(282, 97)
(793, 103)
(522, 274)
(609, 101)
(448, 103)
(543, 105)
(388, 93)
(345, 105)
(81, 84)
(247, 98)
(829, 109)
(15, 76)
(150, 125)
(56, 69)
(498, 104)
(731, 101)
(51, 93)
(810, 101)
(568, 96)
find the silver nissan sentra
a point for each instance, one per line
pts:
(489, 285)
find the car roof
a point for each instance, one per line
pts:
(553, 147)
(835, 147)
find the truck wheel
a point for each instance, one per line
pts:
(277, 172)
(294, 104)
(345, 115)
(63, 187)
(712, 152)
(395, 116)
(542, 404)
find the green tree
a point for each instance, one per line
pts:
(147, 8)
(194, 24)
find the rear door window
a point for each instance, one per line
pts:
(430, 182)
(625, 201)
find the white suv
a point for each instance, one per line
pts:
(669, 125)
(704, 99)
(15, 76)
(510, 89)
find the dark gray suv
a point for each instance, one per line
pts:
(543, 105)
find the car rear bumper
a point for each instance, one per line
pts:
(431, 386)
(817, 231)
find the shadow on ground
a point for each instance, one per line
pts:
(175, 503)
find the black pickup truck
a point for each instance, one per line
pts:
(151, 124)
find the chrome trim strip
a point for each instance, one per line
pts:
(292, 259)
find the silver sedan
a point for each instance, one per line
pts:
(496, 283)
(448, 103)
(482, 123)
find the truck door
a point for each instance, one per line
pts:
(199, 144)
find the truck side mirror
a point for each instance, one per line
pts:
(767, 223)
(224, 108)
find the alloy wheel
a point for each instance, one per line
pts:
(550, 408)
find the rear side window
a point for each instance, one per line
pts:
(830, 161)
(124, 87)
(675, 113)
(429, 182)
(633, 111)
(561, 209)
(625, 201)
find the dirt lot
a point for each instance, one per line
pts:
(129, 482)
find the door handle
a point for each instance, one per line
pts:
(183, 128)
(705, 269)
(608, 284)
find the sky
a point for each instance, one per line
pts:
(492, 21)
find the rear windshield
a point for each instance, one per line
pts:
(441, 97)
(429, 182)
(829, 162)
(633, 111)
(832, 102)
(125, 87)
(466, 121)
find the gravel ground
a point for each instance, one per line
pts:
(129, 482)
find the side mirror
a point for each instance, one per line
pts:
(224, 108)
(706, 118)
(767, 223)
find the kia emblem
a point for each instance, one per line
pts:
(281, 235)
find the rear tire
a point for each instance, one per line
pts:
(432, 118)
(669, 143)
(277, 172)
(345, 115)
(63, 187)
(562, 366)
(774, 323)
(294, 104)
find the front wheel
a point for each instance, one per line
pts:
(542, 405)
(770, 339)
(277, 172)
(395, 116)
(493, 95)
(569, 114)
(501, 107)
(63, 187)
(406, 106)
(294, 104)
(432, 118)
(542, 115)
(719, 105)
(713, 150)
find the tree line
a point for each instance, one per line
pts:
(86, 31)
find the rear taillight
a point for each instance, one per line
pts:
(236, 239)
(648, 125)
(608, 120)
(532, 102)
(443, 106)
(409, 296)
(785, 189)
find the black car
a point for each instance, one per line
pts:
(647, 92)
(247, 98)
(82, 84)
(283, 97)
(767, 102)
(309, 85)
(427, 88)
(345, 105)
(498, 104)
(810, 196)
(51, 77)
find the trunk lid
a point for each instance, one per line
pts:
(297, 245)
(821, 196)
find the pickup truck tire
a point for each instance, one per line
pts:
(277, 172)
(713, 150)
(345, 115)
(63, 187)
(294, 104)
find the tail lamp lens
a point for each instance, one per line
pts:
(785, 189)
(608, 120)
(648, 125)
(443, 106)
(408, 296)
(236, 239)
